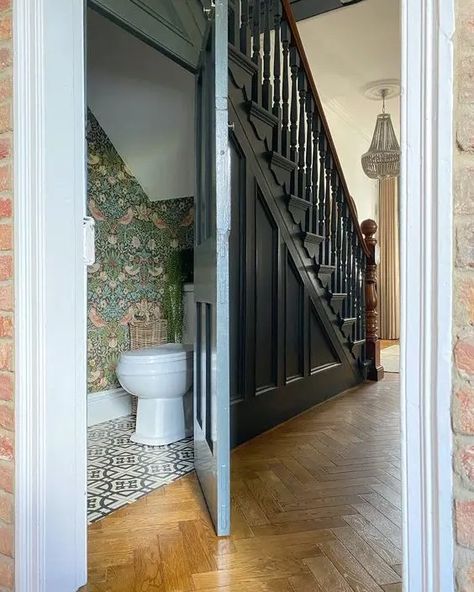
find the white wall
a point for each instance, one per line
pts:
(351, 142)
(348, 49)
(145, 104)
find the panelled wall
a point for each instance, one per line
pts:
(284, 358)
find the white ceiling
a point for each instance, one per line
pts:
(348, 49)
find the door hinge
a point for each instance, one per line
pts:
(88, 227)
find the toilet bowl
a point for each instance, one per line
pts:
(161, 378)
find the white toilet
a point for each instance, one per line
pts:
(161, 378)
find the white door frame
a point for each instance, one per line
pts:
(426, 224)
(49, 181)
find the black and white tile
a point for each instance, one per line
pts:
(121, 471)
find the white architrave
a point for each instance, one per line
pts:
(50, 305)
(426, 270)
(50, 294)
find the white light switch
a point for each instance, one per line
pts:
(88, 224)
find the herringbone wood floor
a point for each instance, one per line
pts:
(316, 507)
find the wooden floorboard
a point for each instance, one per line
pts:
(316, 508)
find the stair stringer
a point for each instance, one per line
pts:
(275, 197)
(290, 229)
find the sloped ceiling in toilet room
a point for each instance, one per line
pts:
(145, 104)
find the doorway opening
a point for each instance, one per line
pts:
(140, 292)
(38, 268)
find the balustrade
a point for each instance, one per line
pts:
(265, 31)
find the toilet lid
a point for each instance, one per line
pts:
(167, 352)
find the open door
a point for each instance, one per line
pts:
(211, 273)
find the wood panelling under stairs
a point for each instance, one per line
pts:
(316, 507)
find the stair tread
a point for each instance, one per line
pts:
(325, 269)
(337, 295)
(263, 114)
(282, 161)
(311, 236)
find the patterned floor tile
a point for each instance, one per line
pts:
(121, 471)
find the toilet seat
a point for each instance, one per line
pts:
(168, 352)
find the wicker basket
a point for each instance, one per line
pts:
(148, 333)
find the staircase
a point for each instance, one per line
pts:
(316, 332)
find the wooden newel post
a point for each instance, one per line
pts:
(372, 342)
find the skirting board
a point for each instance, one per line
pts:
(105, 405)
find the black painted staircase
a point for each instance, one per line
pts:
(284, 146)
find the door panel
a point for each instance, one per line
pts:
(174, 28)
(211, 273)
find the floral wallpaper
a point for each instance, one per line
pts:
(134, 238)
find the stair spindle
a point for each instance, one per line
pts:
(322, 189)
(301, 133)
(354, 279)
(345, 230)
(256, 53)
(327, 206)
(245, 30)
(266, 86)
(309, 157)
(333, 227)
(234, 22)
(277, 144)
(315, 210)
(285, 90)
(339, 233)
(294, 64)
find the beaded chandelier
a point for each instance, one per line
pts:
(383, 158)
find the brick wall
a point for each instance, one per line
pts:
(463, 397)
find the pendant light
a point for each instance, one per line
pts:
(383, 158)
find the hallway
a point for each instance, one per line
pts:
(316, 507)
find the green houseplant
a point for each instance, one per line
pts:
(173, 296)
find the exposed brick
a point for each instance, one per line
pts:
(464, 355)
(465, 24)
(6, 267)
(6, 447)
(5, 118)
(5, 147)
(6, 386)
(6, 540)
(466, 78)
(5, 237)
(5, 4)
(465, 128)
(5, 207)
(466, 460)
(465, 243)
(6, 27)
(463, 410)
(6, 326)
(6, 572)
(464, 188)
(464, 300)
(6, 355)
(7, 418)
(5, 58)
(6, 476)
(5, 177)
(6, 89)
(6, 507)
(465, 523)
(6, 298)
